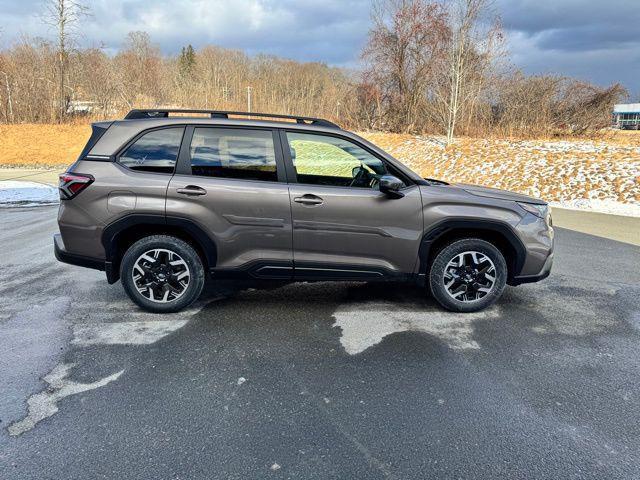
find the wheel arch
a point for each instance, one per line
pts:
(498, 233)
(121, 234)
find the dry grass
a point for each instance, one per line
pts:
(604, 168)
(556, 170)
(28, 145)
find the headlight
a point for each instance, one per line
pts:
(538, 210)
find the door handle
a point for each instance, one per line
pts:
(308, 199)
(191, 190)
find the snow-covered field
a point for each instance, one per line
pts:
(593, 175)
(15, 193)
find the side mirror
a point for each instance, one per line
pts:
(391, 186)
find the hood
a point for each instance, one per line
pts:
(499, 194)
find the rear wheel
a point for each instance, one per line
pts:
(162, 274)
(468, 275)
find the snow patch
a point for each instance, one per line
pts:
(600, 176)
(610, 207)
(45, 404)
(125, 333)
(27, 194)
(366, 325)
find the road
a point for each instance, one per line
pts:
(317, 381)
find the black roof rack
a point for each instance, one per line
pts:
(164, 112)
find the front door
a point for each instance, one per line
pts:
(343, 226)
(231, 181)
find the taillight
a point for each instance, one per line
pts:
(71, 184)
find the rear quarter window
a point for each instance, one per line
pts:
(155, 151)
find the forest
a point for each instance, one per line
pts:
(426, 67)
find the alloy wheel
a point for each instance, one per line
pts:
(161, 275)
(469, 276)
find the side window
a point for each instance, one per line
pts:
(325, 160)
(155, 151)
(233, 153)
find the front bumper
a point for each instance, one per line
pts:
(544, 273)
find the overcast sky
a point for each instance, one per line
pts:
(596, 40)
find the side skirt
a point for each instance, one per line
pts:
(309, 272)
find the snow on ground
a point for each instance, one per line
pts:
(15, 193)
(601, 206)
(593, 175)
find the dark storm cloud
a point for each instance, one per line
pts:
(598, 40)
(591, 39)
(534, 16)
(330, 31)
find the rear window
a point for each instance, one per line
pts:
(155, 151)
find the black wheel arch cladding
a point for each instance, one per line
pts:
(457, 228)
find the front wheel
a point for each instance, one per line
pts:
(162, 274)
(468, 275)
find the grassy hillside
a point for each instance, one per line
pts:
(606, 169)
(41, 145)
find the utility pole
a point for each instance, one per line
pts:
(249, 99)
(6, 80)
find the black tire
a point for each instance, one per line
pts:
(451, 251)
(177, 247)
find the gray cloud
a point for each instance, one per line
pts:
(592, 39)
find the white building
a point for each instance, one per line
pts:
(626, 115)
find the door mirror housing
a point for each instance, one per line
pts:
(391, 186)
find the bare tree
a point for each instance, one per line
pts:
(407, 86)
(407, 39)
(586, 107)
(471, 48)
(64, 16)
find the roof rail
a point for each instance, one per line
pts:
(164, 112)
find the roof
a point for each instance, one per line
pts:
(626, 108)
(146, 114)
(121, 131)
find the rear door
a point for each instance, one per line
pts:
(231, 181)
(343, 226)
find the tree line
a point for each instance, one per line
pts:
(427, 67)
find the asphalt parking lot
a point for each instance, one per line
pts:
(317, 380)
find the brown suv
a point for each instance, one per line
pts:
(159, 201)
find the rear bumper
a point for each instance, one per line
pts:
(544, 273)
(82, 261)
(72, 259)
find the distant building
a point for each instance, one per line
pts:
(81, 107)
(626, 116)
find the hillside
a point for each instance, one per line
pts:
(601, 174)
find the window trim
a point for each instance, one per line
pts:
(183, 166)
(293, 176)
(142, 133)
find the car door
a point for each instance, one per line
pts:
(343, 226)
(231, 182)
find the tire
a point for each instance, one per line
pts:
(162, 274)
(468, 287)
